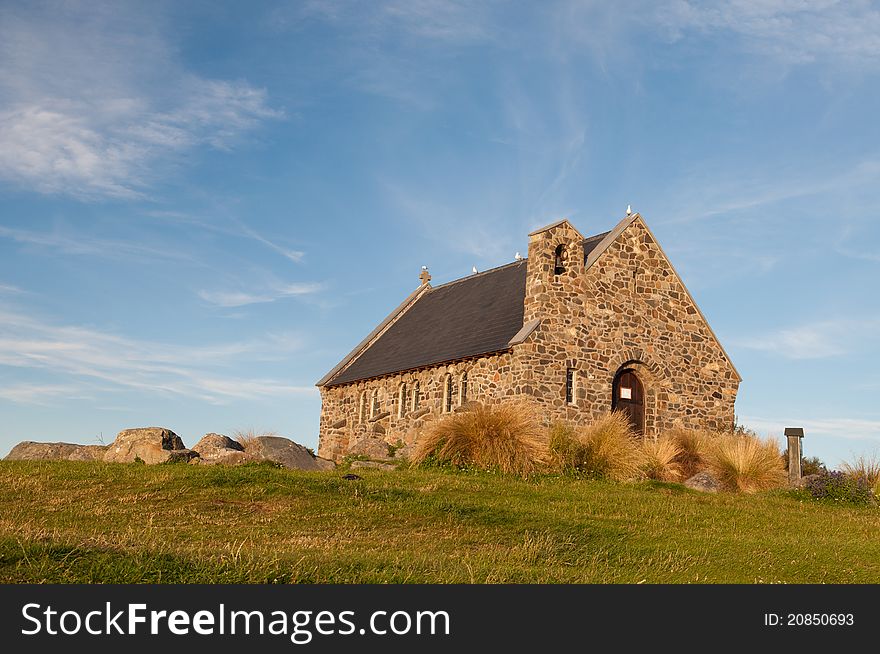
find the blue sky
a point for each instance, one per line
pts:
(205, 205)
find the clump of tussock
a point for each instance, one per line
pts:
(864, 469)
(692, 445)
(605, 449)
(503, 437)
(745, 463)
(660, 459)
(247, 437)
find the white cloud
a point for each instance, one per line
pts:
(817, 340)
(849, 428)
(794, 31)
(242, 298)
(85, 360)
(93, 104)
(84, 245)
(10, 289)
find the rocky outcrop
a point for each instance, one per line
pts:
(372, 447)
(219, 449)
(286, 453)
(31, 451)
(147, 444)
(705, 482)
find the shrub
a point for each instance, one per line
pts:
(840, 487)
(812, 466)
(503, 437)
(745, 463)
(866, 469)
(692, 444)
(247, 437)
(660, 459)
(606, 449)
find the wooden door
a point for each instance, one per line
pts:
(629, 397)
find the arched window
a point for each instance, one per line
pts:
(415, 396)
(401, 400)
(463, 389)
(374, 405)
(447, 393)
(560, 258)
(362, 407)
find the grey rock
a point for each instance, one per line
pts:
(33, 451)
(371, 447)
(705, 482)
(405, 452)
(286, 453)
(217, 448)
(149, 444)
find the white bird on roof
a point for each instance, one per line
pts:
(629, 210)
(474, 269)
(518, 256)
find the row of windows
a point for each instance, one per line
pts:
(410, 398)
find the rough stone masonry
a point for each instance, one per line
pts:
(580, 327)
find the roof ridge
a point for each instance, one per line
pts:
(478, 274)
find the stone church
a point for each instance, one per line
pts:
(579, 327)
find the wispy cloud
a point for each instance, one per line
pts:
(242, 298)
(10, 289)
(92, 100)
(793, 31)
(848, 428)
(817, 340)
(80, 244)
(86, 360)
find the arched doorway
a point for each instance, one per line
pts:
(628, 396)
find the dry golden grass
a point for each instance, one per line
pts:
(660, 459)
(606, 449)
(247, 437)
(503, 437)
(745, 463)
(692, 444)
(865, 468)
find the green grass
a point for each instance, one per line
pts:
(93, 522)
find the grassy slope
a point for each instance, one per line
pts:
(87, 522)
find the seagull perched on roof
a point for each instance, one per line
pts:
(518, 256)
(474, 269)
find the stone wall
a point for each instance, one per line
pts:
(349, 421)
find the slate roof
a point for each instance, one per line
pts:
(474, 315)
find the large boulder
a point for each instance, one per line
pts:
(31, 451)
(371, 447)
(217, 448)
(705, 482)
(148, 444)
(286, 453)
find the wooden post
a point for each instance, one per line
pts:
(794, 435)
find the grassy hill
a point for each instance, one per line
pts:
(129, 523)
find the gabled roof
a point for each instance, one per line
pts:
(472, 316)
(476, 315)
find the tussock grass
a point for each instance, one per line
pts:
(247, 437)
(660, 459)
(502, 437)
(693, 444)
(605, 449)
(865, 468)
(745, 463)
